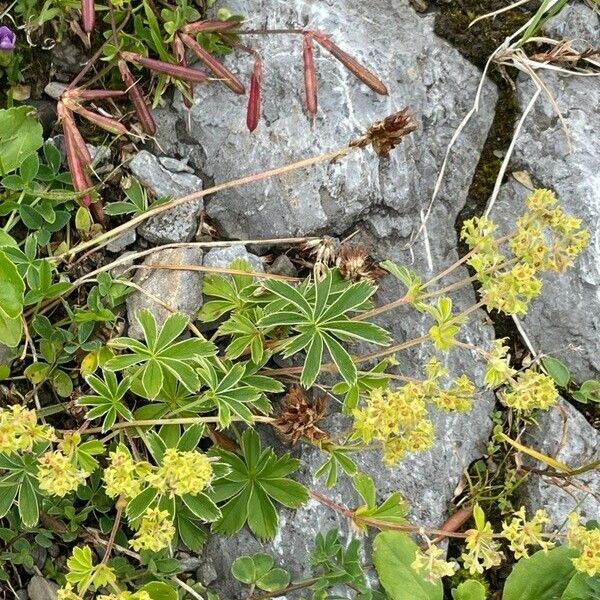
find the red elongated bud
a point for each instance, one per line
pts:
(360, 71)
(81, 180)
(254, 100)
(135, 95)
(179, 52)
(175, 71)
(109, 124)
(70, 128)
(92, 94)
(310, 74)
(210, 26)
(88, 15)
(215, 65)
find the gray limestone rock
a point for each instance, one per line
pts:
(563, 433)
(282, 265)
(223, 257)
(180, 289)
(40, 588)
(168, 177)
(383, 198)
(119, 243)
(422, 71)
(565, 320)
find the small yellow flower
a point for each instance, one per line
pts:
(532, 390)
(587, 541)
(498, 371)
(182, 473)
(482, 551)
(57, 475)
(124, 477)
(155, 532)
(19, 430)
(522, 533)
(431, 565)
(67, 593)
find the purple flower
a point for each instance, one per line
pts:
(7, 38)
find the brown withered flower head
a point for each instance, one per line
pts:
(385, 135)
(355, 264)
(299, 416)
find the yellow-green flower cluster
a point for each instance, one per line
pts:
(498, 369)
(530, 391)
(482, 551)
(587, 541)
(182, 473)
(432, 565)
(124, 477)
(522, 533)
(512, 290)
(399, 419)
(546, 238)
(155, 532)
(141, 595)
(20, 430)
(58, 474)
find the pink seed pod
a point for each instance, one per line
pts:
(210, 26)
(68, 123)
(175, 71)
(135, 95)
(310, 74)
(215, 65)
(254, 99)
(109, 124)
(360, 71)
(88, 15)
(82, 94)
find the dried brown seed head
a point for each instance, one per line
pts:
(299, 416)
(385, 135)
(323, 250)
(355, 264)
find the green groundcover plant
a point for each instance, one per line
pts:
(123, 452)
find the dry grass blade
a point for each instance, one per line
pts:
(210, 26)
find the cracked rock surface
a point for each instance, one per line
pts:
(169, 178)
(563, 433)
(383, 198)
(565, 320)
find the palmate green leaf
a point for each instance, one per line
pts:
(255, 480)
(318, 316)
(160, 355)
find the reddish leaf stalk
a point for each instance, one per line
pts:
(215, 65)
(210, 26)
(310, 74)
(135, 95)
(254, 100)
(356, 68)
(175, 71)
(109, 124)
(88, 15)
